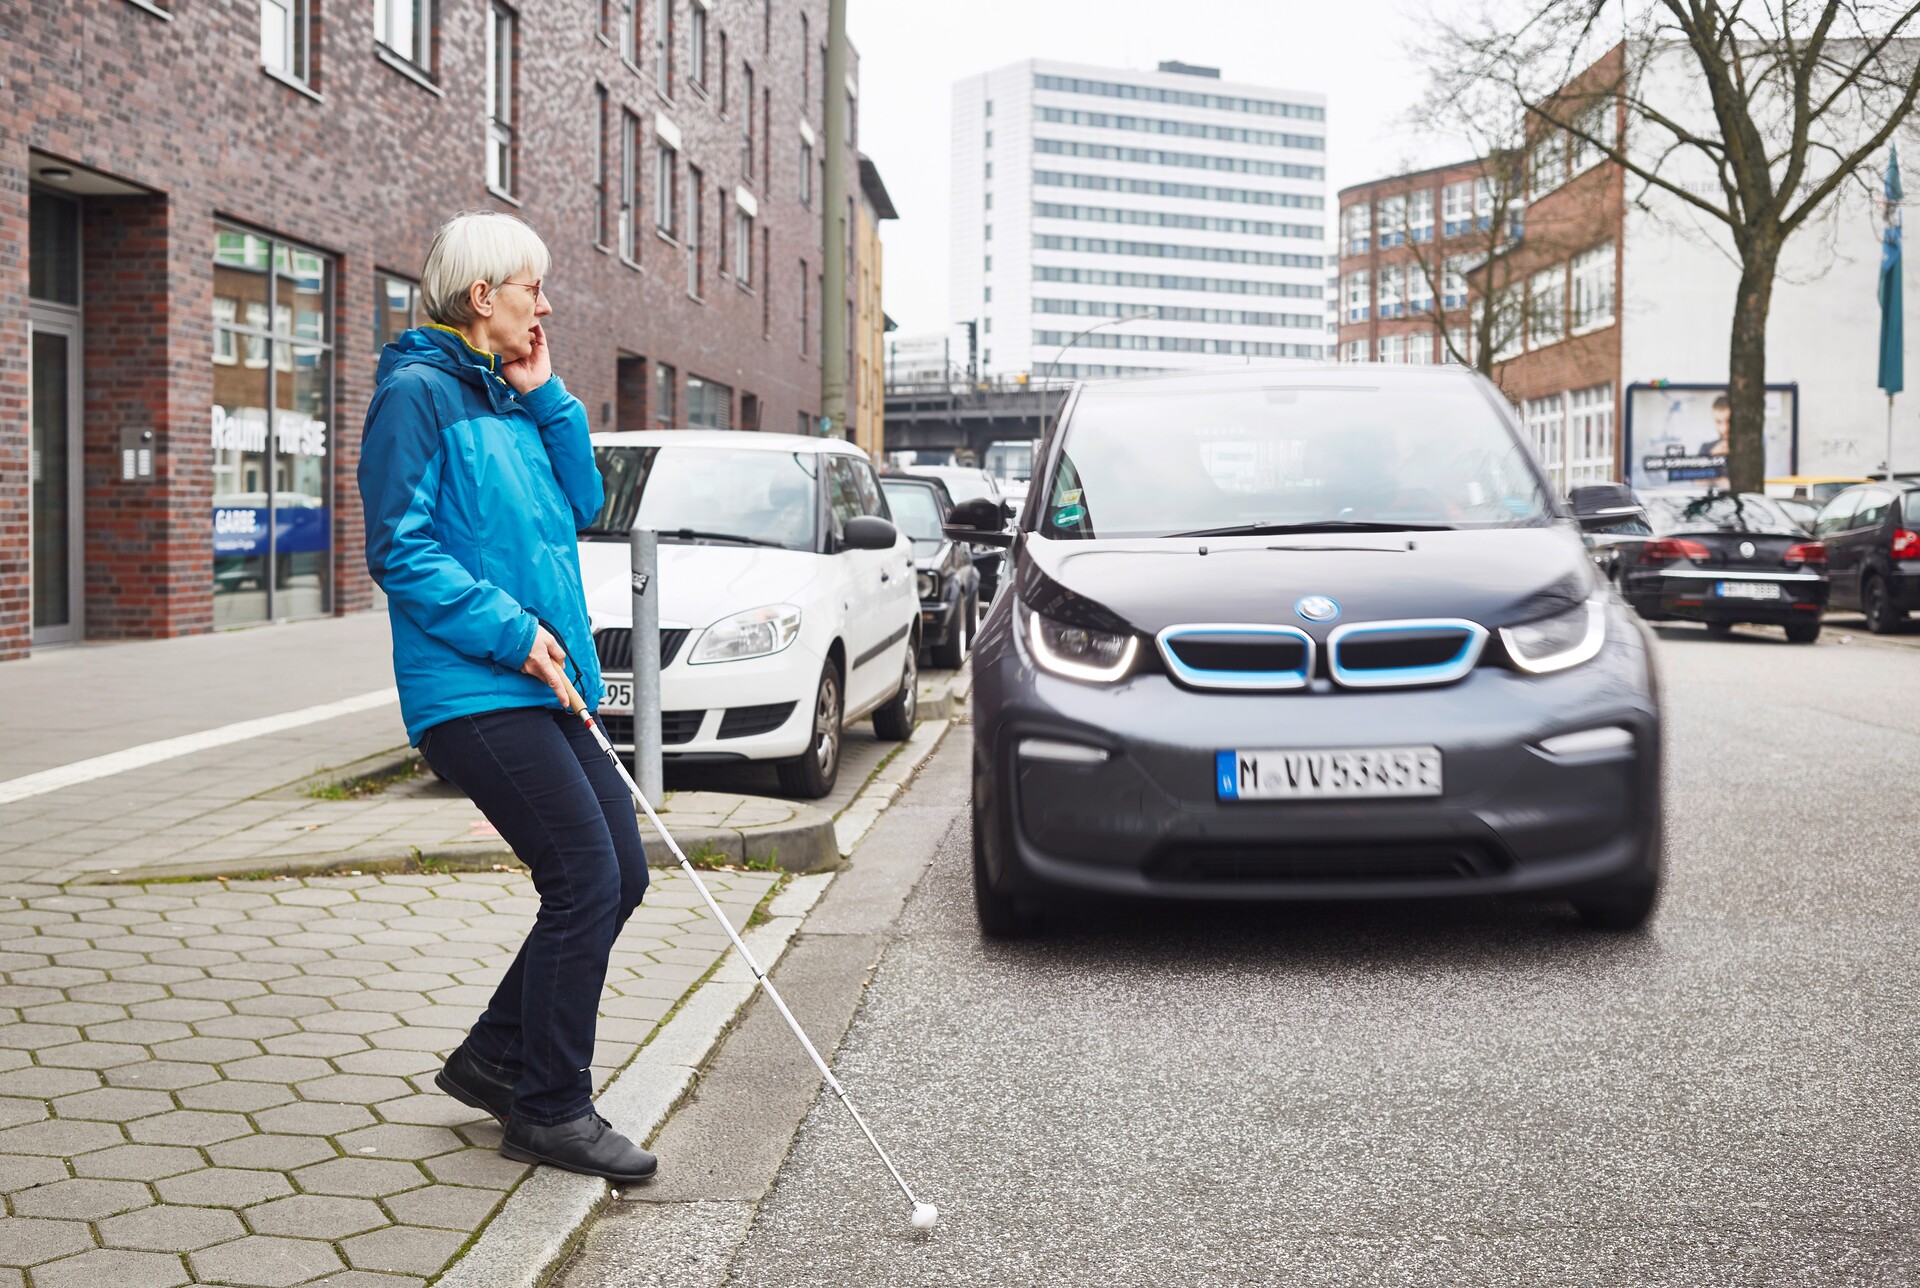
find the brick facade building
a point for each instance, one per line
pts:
(1398, 236)
(211, 216)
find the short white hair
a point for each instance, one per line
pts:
(477, 246)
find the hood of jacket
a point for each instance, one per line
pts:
(445, 349)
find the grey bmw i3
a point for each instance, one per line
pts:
(1306, 634)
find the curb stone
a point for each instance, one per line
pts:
(888, 781)
(542, 1219)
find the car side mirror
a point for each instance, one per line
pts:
(982, 521)
(868, 532)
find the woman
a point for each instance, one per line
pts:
(475, 474)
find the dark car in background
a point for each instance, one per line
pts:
(1723, 558)
(1615, 524)
(964, 483)
(1872, 536)
(947, 583)
(1305, 633)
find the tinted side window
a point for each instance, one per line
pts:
(1838, 515)
(872, 501)
(843, 493)
(1910, 510)
(1874, 504)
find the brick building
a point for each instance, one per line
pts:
(211, 216)
(1396, 237)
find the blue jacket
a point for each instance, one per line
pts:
(472, 495)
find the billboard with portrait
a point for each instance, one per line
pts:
(1676, 435)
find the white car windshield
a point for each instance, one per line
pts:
(916, 512)
(713, 494)
(1142, 462)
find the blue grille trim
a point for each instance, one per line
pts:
(1260, 680)
(1473, 638)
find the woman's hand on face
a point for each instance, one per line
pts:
(529, 373)
(547, 663)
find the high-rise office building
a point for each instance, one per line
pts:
(1193, 206)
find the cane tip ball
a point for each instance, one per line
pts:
(924, 1215)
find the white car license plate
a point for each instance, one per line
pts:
(1316, 775)
(1749, 590)
(619, 699)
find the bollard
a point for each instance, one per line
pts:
(644, 547)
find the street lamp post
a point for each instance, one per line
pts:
(1040, 413)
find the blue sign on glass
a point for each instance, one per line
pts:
(242, 530)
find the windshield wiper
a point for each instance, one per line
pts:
(1322, 525)
(695, 534)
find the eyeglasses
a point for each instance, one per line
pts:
(538, 288)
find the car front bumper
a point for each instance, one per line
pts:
(1147, 820)
(705, 708)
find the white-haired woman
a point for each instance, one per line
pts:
(476, 473)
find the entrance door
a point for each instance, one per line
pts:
(54, 470)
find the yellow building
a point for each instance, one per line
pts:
(866, 393)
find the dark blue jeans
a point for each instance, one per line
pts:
(543, 782)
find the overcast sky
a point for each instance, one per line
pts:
(911, 52)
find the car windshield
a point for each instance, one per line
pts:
(967, 485)
(1147, 462)
(712, 493)
(1719, 512)
(916, 511)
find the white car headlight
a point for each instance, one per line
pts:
(1079, 652)
(754, 633)
(925, 583)
(1558, 642)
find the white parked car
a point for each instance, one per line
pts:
(787, 599)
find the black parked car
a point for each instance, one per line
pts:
(1872, 536)
(948, 585)
(1615, 524)
(1305, 633)
(1723, 558)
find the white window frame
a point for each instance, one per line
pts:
(1420, 348)
(696, 212)
(500, 76)
(697, 51)
(743, 246)
(1593, 289)
(1590, 443)
(1420, 215)
(404, 28)
(1546, 420)
(286, 38)
(1359, 296)
(663, 47)
(1393, 348)
(1356, 351)
(666, 189)
(1547, 307)
(226, 313)
(1356, 227)
(1460, 343)
(1391, 292)
(1598, 120)
(1456, 202)
(806, 172)
(1453, 282)
(1509, 321)
(1546, 163)
(1419, 289)
(1393, 220)
(1483, 203)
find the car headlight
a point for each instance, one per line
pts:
(1079, 652)
(925, 583)
(1558, 642)
(754, 633)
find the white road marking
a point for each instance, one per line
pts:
(152, 753)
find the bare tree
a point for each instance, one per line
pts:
(1799, 98)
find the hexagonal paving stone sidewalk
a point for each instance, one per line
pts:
(232, 1082)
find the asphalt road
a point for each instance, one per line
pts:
(1472, 1094)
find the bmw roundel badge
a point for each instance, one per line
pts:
(1317, 608)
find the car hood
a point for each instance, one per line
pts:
(1493, 577)
(929, 556)
(699, 585)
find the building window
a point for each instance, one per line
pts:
(986, 263)
(803, 423)
(603, 111)
(500, 99)
(724, 68)
(697, 45)
(1546, 422)
(742, 246)
(989, 173)
(665, 396)
(1590, 435)
(709, 405)
(1456, 208)
(396, 308)
(1420, 348)
(1596, 123)
(1359, 301)
(806, 64)
(988, 234)
(1547, 307)
(1392, 303)
(1593, 289)
(1459, 347)
(406, 28)
(766, 277)
(663, 46)
(1546, 164)
(1506, 328)
(1420, 215)
(1393, 348)
(666, 192)
(806, 173)
(696, 221)
(1393, 221)
(1483, 204)
(1355, 350)
(746, 147)
(632, 199)
(286, 37)
(1419, 288)
(1356, 224)
(271, 527)
(1453, 283)
(749, 411)
(806, 290)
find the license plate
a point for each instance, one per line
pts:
(1318, 775)
(619, 699)
(1749, 590)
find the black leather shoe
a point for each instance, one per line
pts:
(586, 1145)
(475, 1085)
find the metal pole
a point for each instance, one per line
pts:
(1889, 438)
(644, 548)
